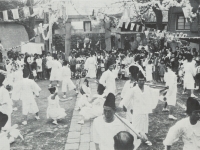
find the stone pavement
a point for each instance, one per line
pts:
(80, 136)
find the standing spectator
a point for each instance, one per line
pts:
(44, 67)
(161, 70)
(39, 67)
(48, 63)
(73, 65)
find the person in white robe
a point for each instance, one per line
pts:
(91, 66)
(108, 78)
(28, 90)
(149, 71)
(39, 66)
(143, 100)
(105, 127)
(133, 70)
(171, 81)
(54, 111)
(67, 84)
(187, 128)
(190, 72)
(96, 108)
(5, 102)
(84, 97)
(55, 71)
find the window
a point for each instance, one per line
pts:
(182, 24)
(87, 26)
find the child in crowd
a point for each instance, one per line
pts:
(161, 70)
(149, 71)
(54, 111)
(34, 68)
(96, 108)
(67, 84)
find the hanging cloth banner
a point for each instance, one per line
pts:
(5, 15)
(26, 11)
(146, 33)
(36, 30)
(15, 13)
(143, 28)
(126, 24)
(137, 28)
(132, 26)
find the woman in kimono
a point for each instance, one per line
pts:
(91, 66)
(28, 90)
(54, 111)
(171, 81)
(190, 72)
(55, 71)
(133, 70)
(97, 106)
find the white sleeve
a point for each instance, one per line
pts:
(124, 89)
(174, 133)
(128, 97)
(103, 79)
(96, 136)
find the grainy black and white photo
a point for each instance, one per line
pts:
(99, 74)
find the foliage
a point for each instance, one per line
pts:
(59, 42)
(28, 23)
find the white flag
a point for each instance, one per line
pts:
(5, 15)
(15, 13)
(132, 26)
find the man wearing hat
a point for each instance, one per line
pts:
(105, 127)
(188, 128)
(108, 78)
(142, 100)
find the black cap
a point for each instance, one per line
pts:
(110, 101)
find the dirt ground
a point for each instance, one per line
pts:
(43, 135)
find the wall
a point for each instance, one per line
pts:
(12, 35)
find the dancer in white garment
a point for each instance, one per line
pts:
(5, 102)
(91, 66)
(108, 78)
(55, 71)
(67, 84)
(190, 72)
(105, 127)
(187, 128)
(28, 90)
(96, 108)
(143, 100)
(54, 111)
(133, 70)
(171, 81)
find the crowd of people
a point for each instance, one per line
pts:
(172, 67)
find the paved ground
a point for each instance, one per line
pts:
(80, 136)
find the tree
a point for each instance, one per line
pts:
(29, 23)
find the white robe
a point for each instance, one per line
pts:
(171, 81)
(190, 72)
(39, 65)
(54, 111)
(90, 65)
(4, 142)
(127, 86)
(149, 71)
(190, 134)
(55, 70)
(103, 133)
(108, 80)
(142, 104)
(6, 108)
(28, 90)
(67, 84)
